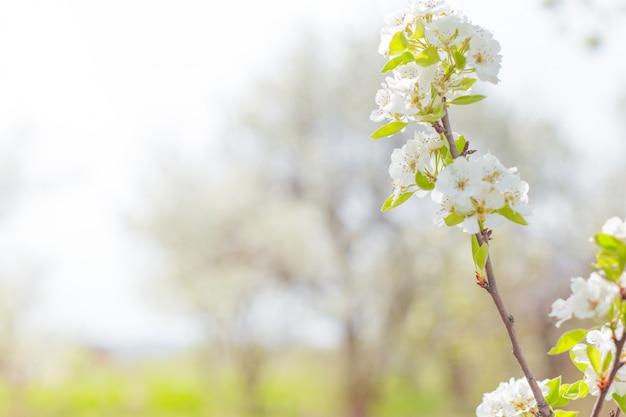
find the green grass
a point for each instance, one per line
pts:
(302, 385)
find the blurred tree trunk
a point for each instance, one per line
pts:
(360, 384)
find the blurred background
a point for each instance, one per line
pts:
(189, 208)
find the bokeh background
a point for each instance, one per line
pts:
(189, 208)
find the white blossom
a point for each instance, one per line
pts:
(615, 227)
(590, 298)
(511, 399)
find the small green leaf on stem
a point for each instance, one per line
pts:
(436, 115)
(395, 62)
(514, 216)
(388, 129)
(467, 99)
(460, 144)
(427, 57)
(418, 30)
(553, 396)
(460, 60)
(574, 391)
(454, 219)
(390, 203)
(398, 43)
(480, 259)
(595, 358)
(563, 413)
(621, 401)
(423, 182)
(580, 365)
(567, 341)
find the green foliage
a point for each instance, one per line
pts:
(567, 341)
(620, 400)
(514, 216)
(427, 57)
(467, 99)
(479, 253)
(388, 129)
(595, 358)
(395, 62)
(424, 182)
(460, 144)
(612, 256)
(390, 203)
(454, 219)
(563, 413)
(398, 43)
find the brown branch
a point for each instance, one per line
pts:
(508, 320)
(492, 288)
(617, 363)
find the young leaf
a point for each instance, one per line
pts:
(388, 129)
(454, 219)
(467, 99)
(460, 59)
(475, 246)
(395, 62)
(436, 115)
(621, 401)
(423, 182)
(514, 216)
(427, 57)
(553, 395)
(418, 31)
(607, 241)
(460, 144)
(480, 259)
(567, 341)
(580, 365)
(563, 413)
(595, 358)
(398, 43)
(389, 203)
(465, 83)
(574, 391)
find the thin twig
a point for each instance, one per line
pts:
(492, 288)
(617, 363)
(508, 320)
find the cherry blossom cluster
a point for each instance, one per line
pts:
(434, 52)
(511, 399)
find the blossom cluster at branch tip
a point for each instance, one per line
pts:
(476, 189)
(434, 52)
(511, 399)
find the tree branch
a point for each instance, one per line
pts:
(617, 363)
(492, 288)
(508, 320)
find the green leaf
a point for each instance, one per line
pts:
(480, 259)
(553, 396)
(465, 84)
(567, 341)
(418, 30)
(423, 182)
(427, 57)
(454, 219)
(389, 203)
(475, 246)
(460, 144)
(460, 60)
(467, 99)
(581, 366)
(607, 241)
(514, 216)
(388, 129)
(621, 401)
(436, 115)
(612, 256)
(595, 358)
(563, 413)
(574, 391)
(398, 43)
(395, 62)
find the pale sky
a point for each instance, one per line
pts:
(91, 91)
